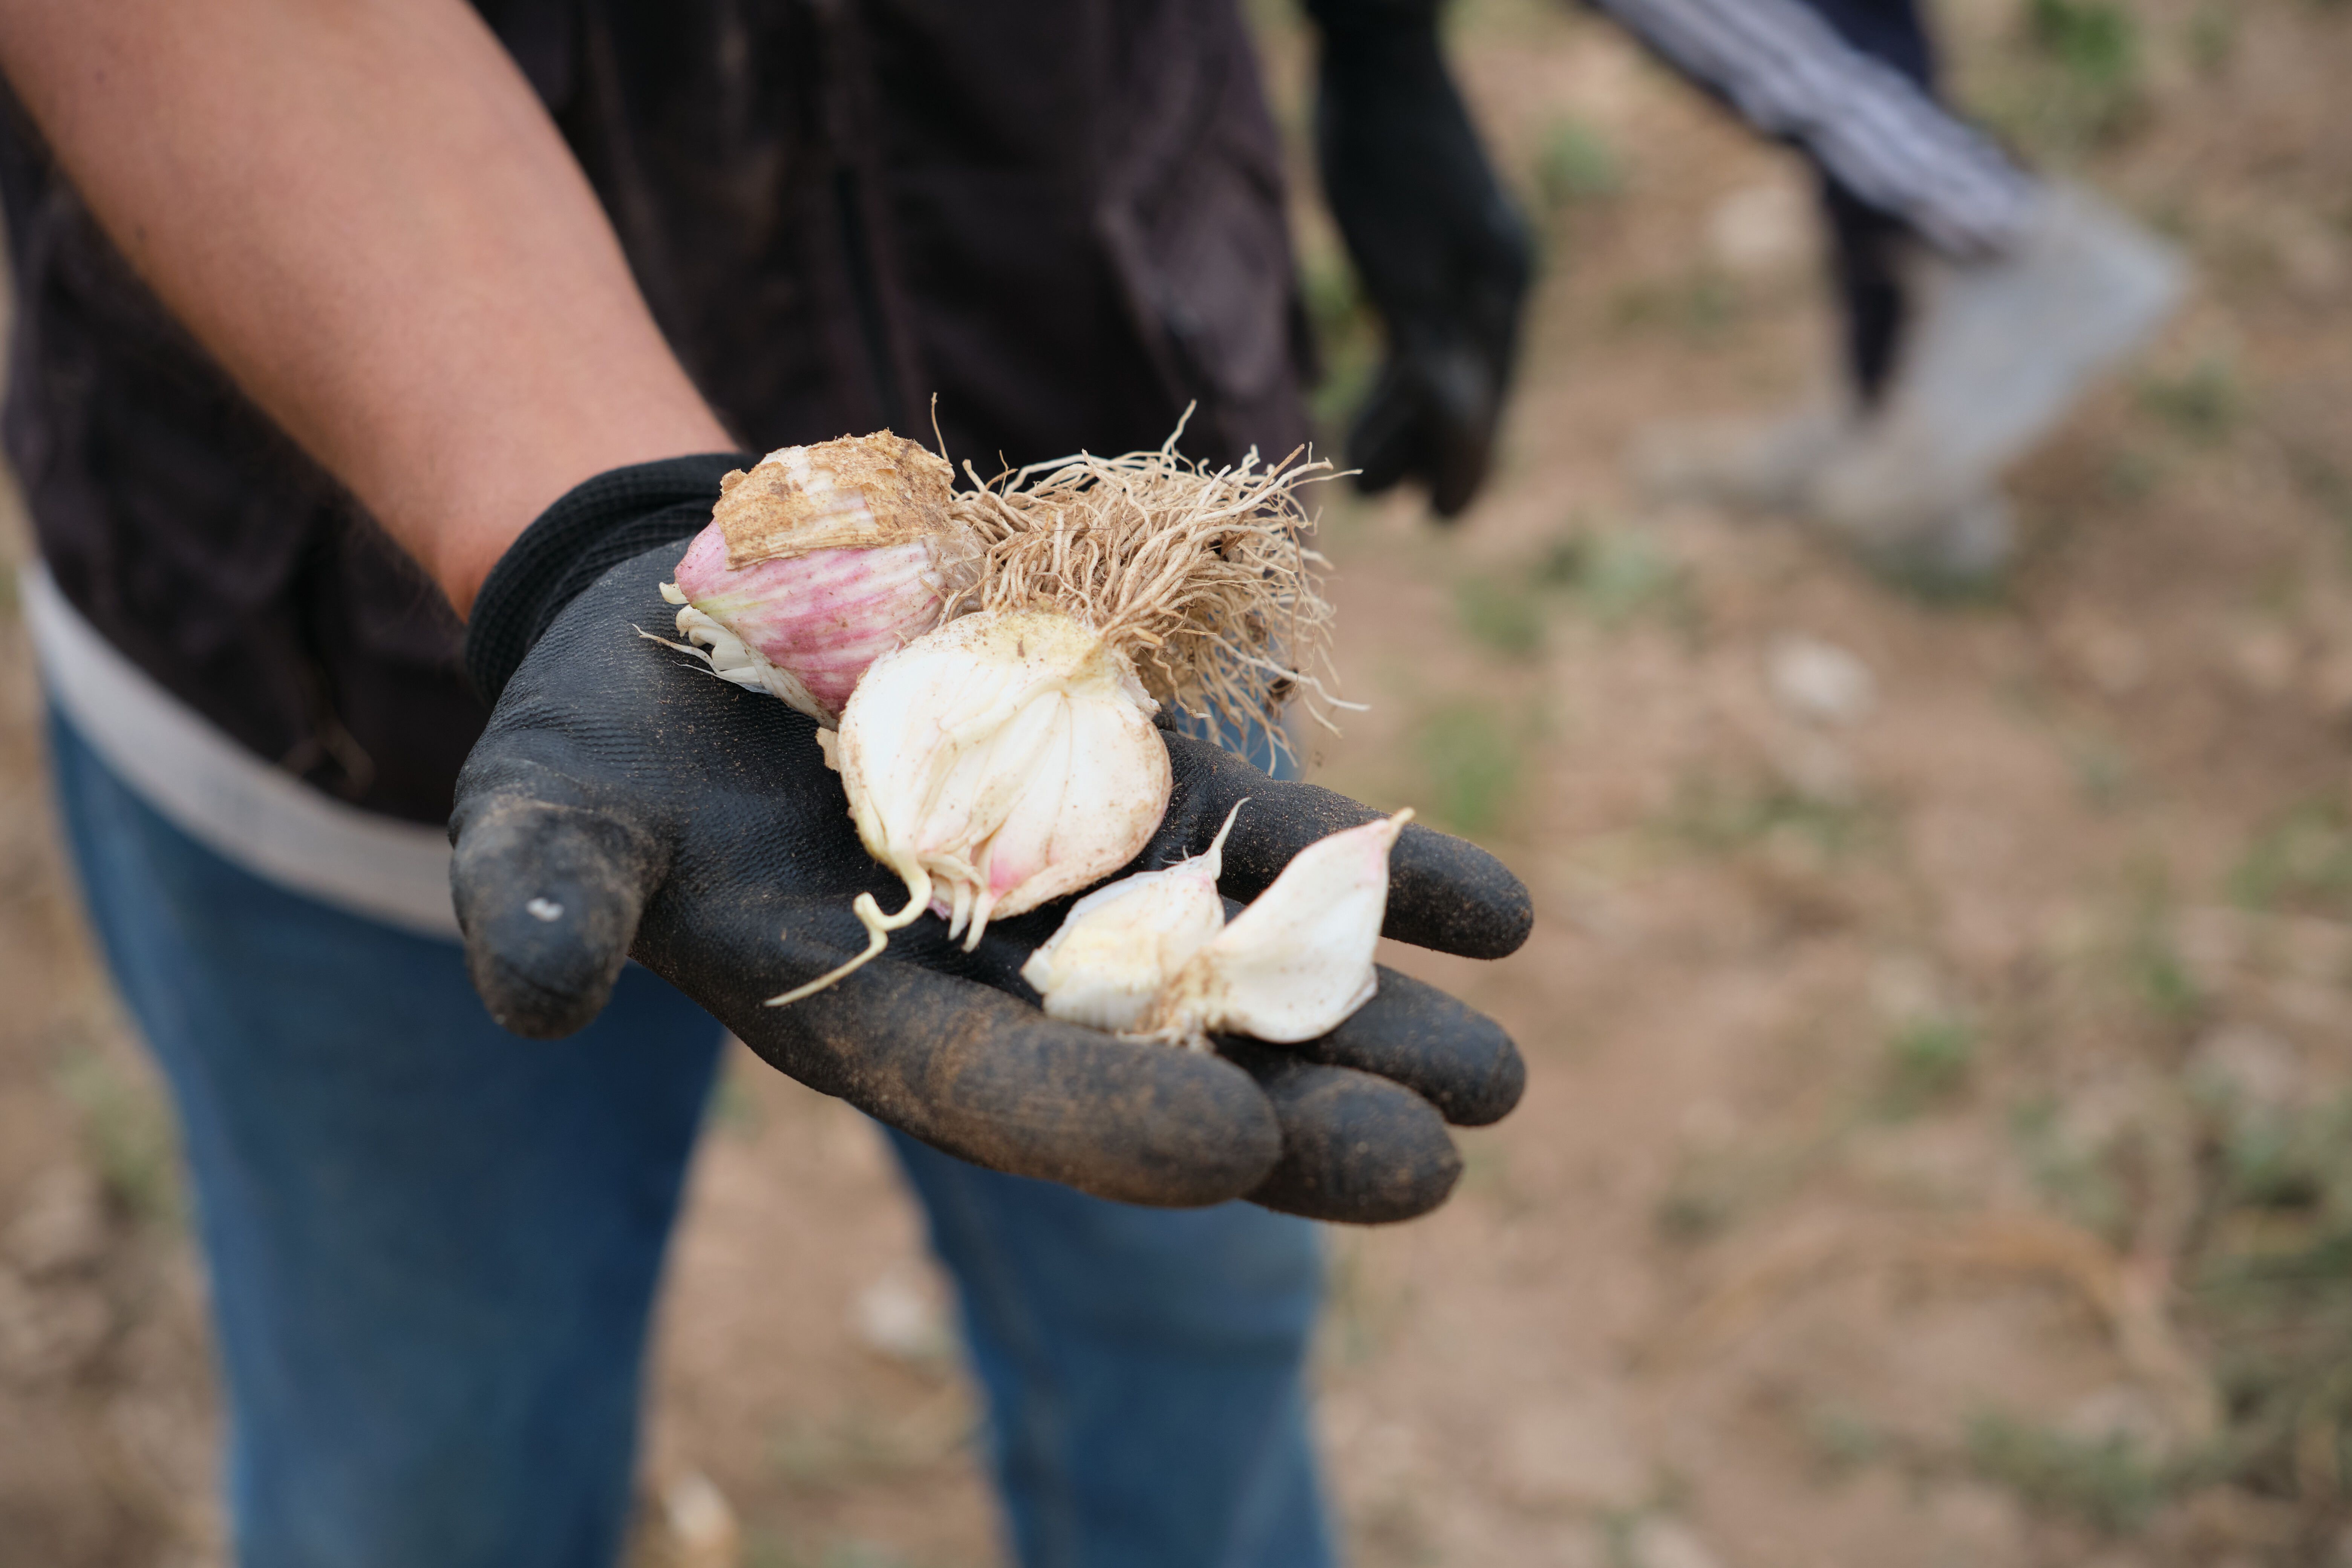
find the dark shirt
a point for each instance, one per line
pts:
(1064, 217)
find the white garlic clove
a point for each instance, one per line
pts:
(1122, 943)
(1298, 961)
(1002, 761)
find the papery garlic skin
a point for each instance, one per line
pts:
(818, 560)
(805, 628)
(1122, 943)
(1298, 961)
(860, 492)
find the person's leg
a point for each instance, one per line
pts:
(1870, 247)
(2022, 293)
(1892, 32)
(1851, 84)
(1845, 82)
(1144, 1370)
(433, 1245)
(1993, 355)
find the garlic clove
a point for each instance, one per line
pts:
(1050, 845)
(1295, 962)
(1002, 760)
(1122, 943)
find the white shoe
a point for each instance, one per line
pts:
(1768, 466)
(1997, 353)
(1761, 465)
(1959, 549)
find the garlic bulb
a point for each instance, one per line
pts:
(992, 660)
(1120, 943)
(818, 560)
(1298, 961)
(999, 762)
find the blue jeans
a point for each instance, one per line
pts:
(433, 1248)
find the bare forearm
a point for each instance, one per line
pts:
(362, 211)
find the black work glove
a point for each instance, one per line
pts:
(1441, 250)
(624, 803)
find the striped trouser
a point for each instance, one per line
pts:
(1848, 82)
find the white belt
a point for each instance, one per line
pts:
(218, 793)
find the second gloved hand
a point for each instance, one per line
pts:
(623, 802)
(1441, 251)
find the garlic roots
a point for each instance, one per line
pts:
(1203, 576)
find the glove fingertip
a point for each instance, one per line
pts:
(1459, 476)
(1488, 1099)
(1385, 441)
(1455, 1057)
(1378, 469)
(539, 1000)
(549, 900)
(1356, 1149)
(1447, 894)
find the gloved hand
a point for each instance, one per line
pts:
(623, 802)
(1441, 250)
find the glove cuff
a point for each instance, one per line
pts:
(591, 527)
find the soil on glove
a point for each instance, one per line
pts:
(1938, 1014)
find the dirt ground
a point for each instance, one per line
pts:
(1937, 1016)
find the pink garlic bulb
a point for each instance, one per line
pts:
(817, 562)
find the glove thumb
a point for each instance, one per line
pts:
(548, 897)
